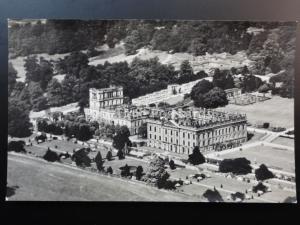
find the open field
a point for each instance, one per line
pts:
(277, 111)
(206, 62)
(284, 141)
(40, 180)
(275, 158)
(229, 186)
(18, 63)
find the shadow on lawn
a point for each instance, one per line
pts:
(10, 191)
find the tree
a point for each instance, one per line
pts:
(251, 83)
(263, 173)
(81, 158)
(16, 146)
(121, 138)
(202, 87)
(215, 98)
(125, 171)
(51, 156)
(198, 91)
(259, 187)
(186, 72)
(109, 170)
(98, 161)
(196, 157)
(120, 154)
(133, 42)
(156, 173)
(139, 172)
(172, 164)
(84, 132)
(18, 119)
(109, 156)
(264, 89)
(12, 78)
(55, 93)
(142, 131)
(213, 195)
(235, 166)
(223, 79)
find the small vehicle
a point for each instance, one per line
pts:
(177, 185)
(187, 182)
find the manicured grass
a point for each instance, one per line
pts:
(285, 141)
(280, 159)
(40, 180)
(277, 111)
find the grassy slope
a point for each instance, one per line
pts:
(40, 180)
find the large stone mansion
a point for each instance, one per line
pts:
(177, 130)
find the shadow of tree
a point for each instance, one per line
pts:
(10, 191)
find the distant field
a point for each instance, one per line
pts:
(18, 63)
(206, 62)
(278, 111)
(40, 180)
(280, 159)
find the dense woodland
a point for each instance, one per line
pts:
(272, 50)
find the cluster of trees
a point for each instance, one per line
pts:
(55, 36)
(236, 166)
(196, 37)
(16, 146)
(274, 50)
(205, 94)
(156, 173)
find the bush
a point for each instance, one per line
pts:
(125, 171)
(109, 170)
(172, 165)
(16, 146)
(51, 156)
(266, 125)
(238, 195)
(213, 196)
(259, 187)
(235, 166)
(263, 173)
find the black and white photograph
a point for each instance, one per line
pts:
(151, 111)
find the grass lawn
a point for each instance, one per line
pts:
(284, 141)
(277, 111)
(275, 158)
(40, 180)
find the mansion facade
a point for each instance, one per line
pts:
(176, 130)
(210, 130)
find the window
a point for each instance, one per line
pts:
(188, 135)
(166, 139)
(183, 134)
(176, 133)
(165, 131)
(150, 127)
(154, 129)
(193, 136)
(150, 136)
(171, 132)
(155, 137)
